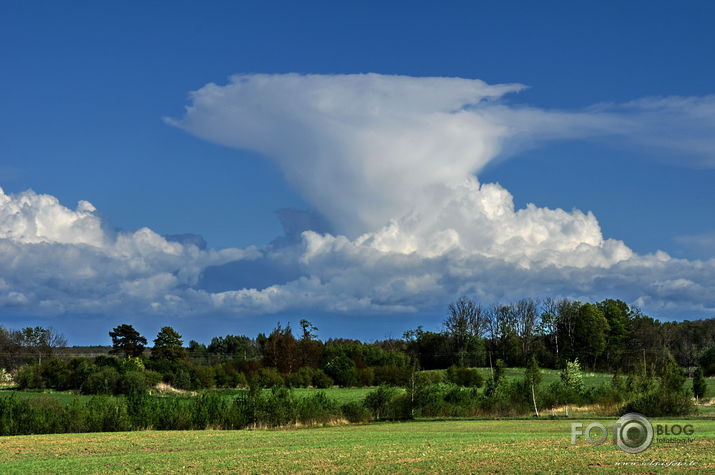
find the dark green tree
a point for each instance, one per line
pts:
(126, 340)
(700, 386)
(168, 345)
(590, 332)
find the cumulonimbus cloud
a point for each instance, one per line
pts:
(391, 162)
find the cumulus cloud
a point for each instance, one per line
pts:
(55, 260)
(391, 163)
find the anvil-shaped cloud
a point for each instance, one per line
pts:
(391, 162)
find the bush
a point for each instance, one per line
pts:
(366, 376)
(152, 378)
(300, 379)
(430, 377)
(29, 377)
(131, 364)
(322, 380)
(131, 382)
(317, 409)
(660, 403)
(387, 403)
(343, 371)
(392, 375)
(355, 412)
(103, 381)
(107, 414)
(277, 408)
(269, 378)
(203, 377)
(466, 377)
(56, 374)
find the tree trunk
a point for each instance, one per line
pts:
(533, 398)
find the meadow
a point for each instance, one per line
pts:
(424, 446)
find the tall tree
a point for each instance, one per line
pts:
(41, 341)
(700, 386)
(126, 340)
(527, 319)
(616, 313)
(281, 350)
(590, 333)
(168, 345)
(533, 378)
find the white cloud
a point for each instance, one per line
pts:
(390, 162)
(55, 260)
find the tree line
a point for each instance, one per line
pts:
(607, 335)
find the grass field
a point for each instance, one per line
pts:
(447, 446)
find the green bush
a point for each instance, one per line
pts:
(269, 378)
(317, 409)
(107, 414)
(29, 377)
(342, 369)
(366, 376)
(322, 380)
(300, 379)
(430, 377)
(277, 408)
(392, 375)
(103, 381)
(356, 412)
(152, 378)
(466, 377)
(386, 402)
(131, 382)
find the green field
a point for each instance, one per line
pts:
(449, 446)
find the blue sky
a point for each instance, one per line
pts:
(86, 87)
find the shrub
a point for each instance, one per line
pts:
(152, 378)
(430, 377)
(700, 386)
(366, 376)
(103, 381)
(392, 375)
(464, 377)
(107, 414)
(104, 360)
(131, 382)
(29, 377)
(5, 377)
(209, 410)
(131, 364)
(56, 374)
(386, 403)
(342, 369)
(322, 380)
(203, 377)
(355, 412)
(300, 379)
(571, 376)
(269, 378)
(317, 409)
(277, 408)
(80, 369)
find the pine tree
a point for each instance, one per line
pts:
(700, 386)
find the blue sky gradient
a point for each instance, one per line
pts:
(86, 85)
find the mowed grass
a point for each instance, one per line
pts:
(445, 446)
